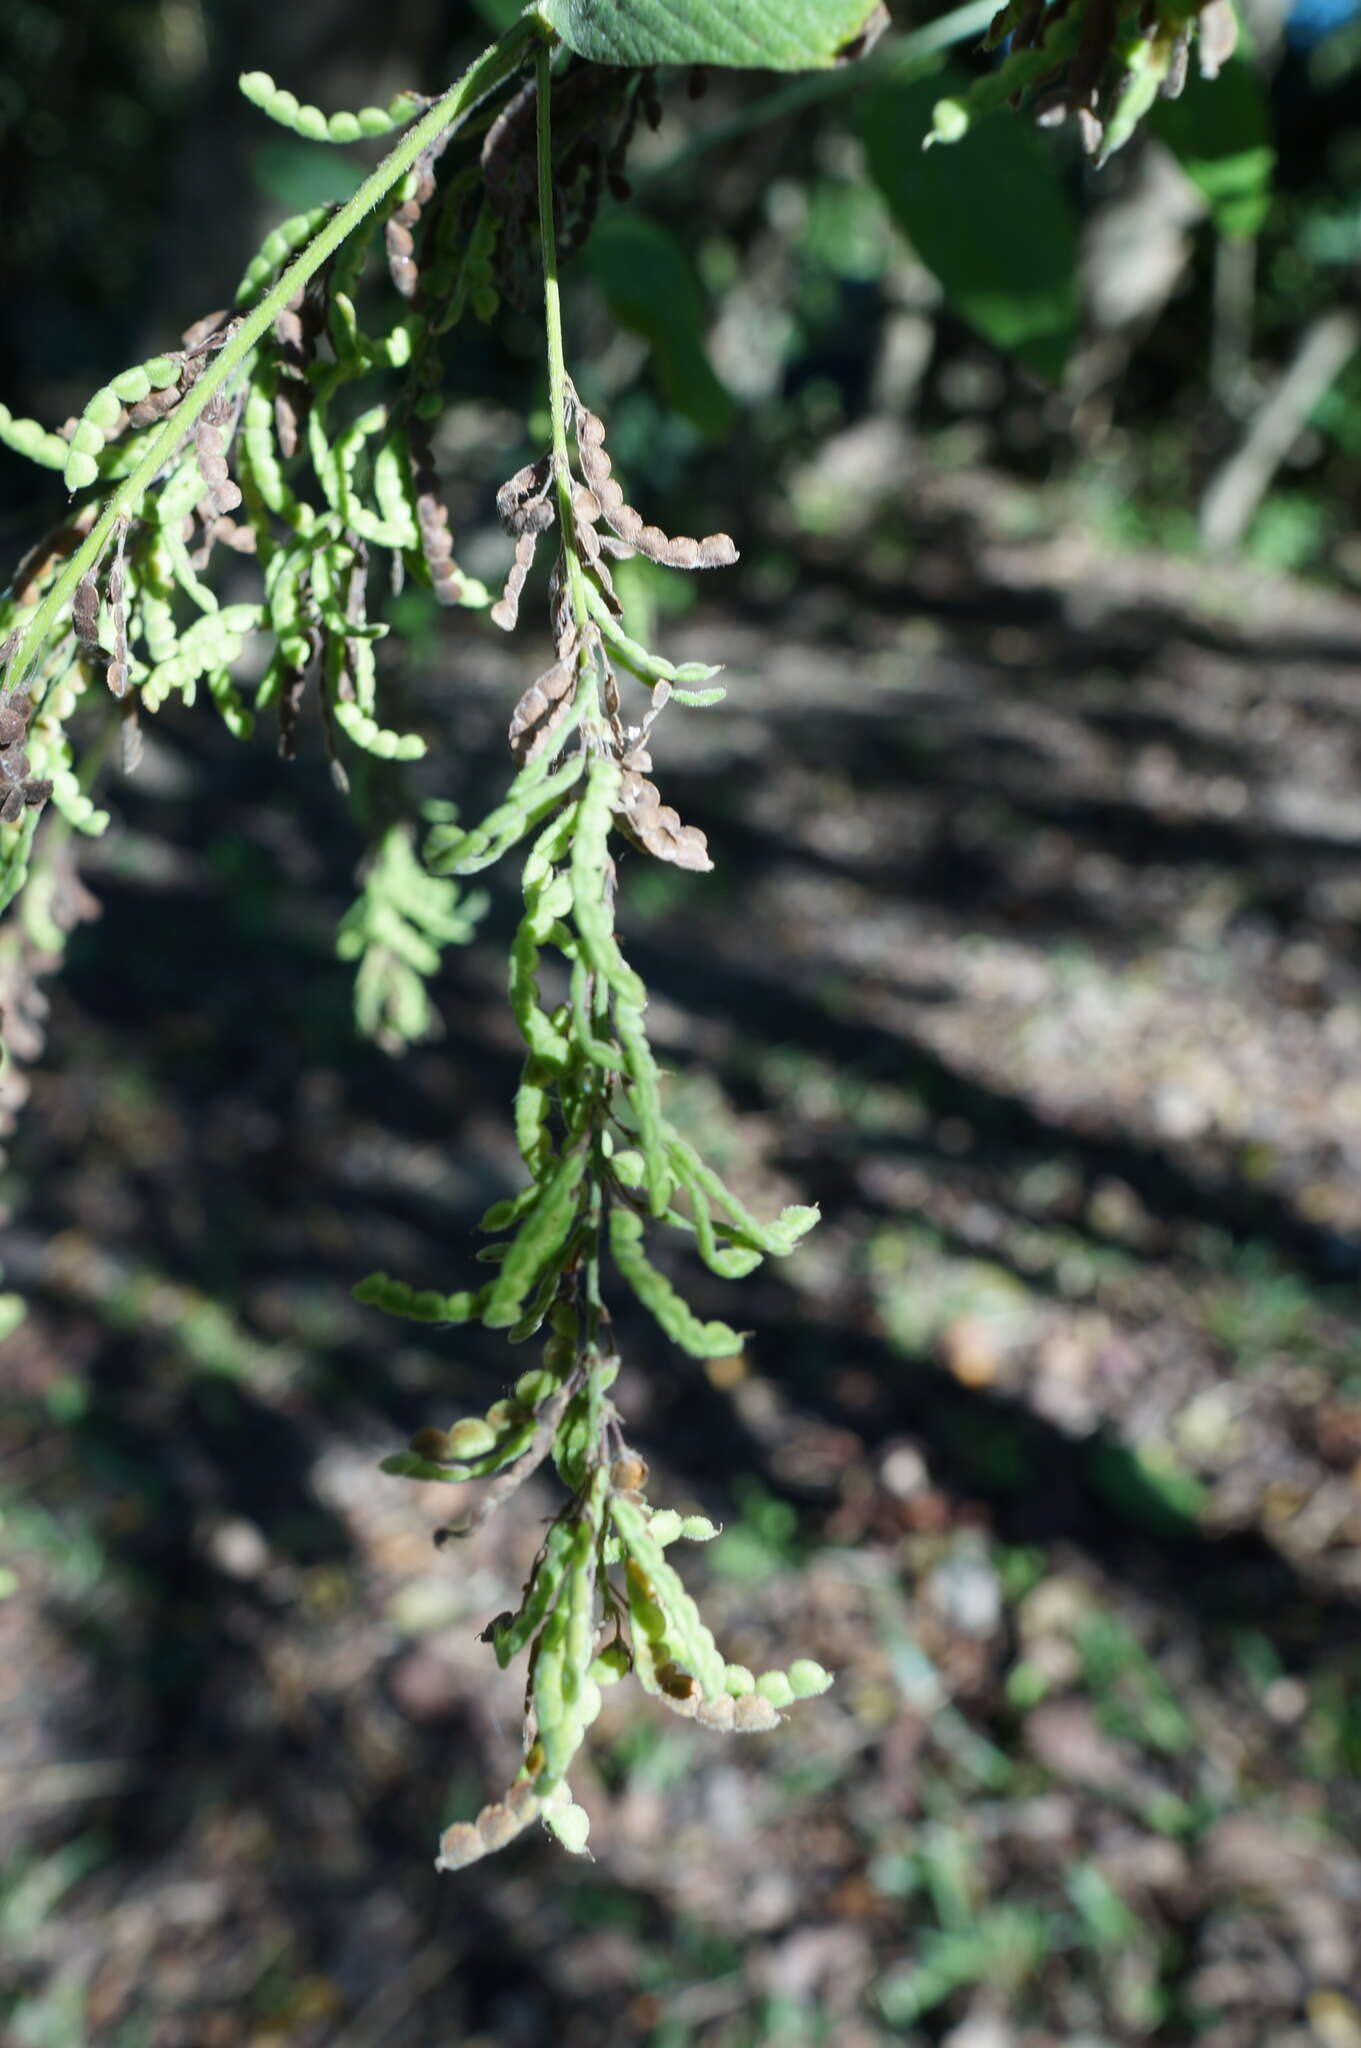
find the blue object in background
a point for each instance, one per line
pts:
(1309, 21)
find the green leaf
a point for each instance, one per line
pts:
(651, 289)
(796, 35)
(1220, 132)
(988, 216)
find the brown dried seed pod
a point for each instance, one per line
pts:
(497, 1825)
(400, 245)
(116, 674)
(222, 494)
(585, 505)
(14, 716)
(1217, 37)
(523, 503)
(85, 614)
(291, 690)
(459, 1846)
(432, 518)
(753, 1715)
(505, 612)
(541, 710)
(600, 569)
(1091, 132)
(209, 332)
(717, 1713)
(506, 153)
(628, 1473)
(1174, 84)
(590, 428)
(655, 827)
(609, 697)
(297, 332)
(595, 466)
(399, 233)
(154, 406)
(561, 618)
(588, 541)
(523, 1797)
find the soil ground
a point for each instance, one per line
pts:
(1031, 954)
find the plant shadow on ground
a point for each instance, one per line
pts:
(986, 901)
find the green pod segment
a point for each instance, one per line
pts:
(778, 1238)
(395, 1298)
(545, 1582)
(533, 794)
(659, 1297)
(31, 439)
(692, 1644)
(372, 738)
(543, 1231)
(315, 126)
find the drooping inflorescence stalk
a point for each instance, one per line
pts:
(603, 1158)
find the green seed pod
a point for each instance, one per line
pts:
(572, 1826)
(31, 440)
(81, 470)
(472, 1438)
(544, 1583)
(531, 796)
(665, 1526)
(533, 1388)
(611, 1664)
(691, 1642)
(543, 1231)
(699, 1529)
(373, 738)
(395, 1298)
(775, 1687)
(808, 1679)
(105, 410)
(655, 1292)
(737, 1680)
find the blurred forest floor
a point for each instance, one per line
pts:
(1031, 953)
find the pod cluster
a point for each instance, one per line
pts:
(1100, 63)
(310, 460)
(596, 112)
(601, 1600)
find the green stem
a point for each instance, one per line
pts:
(557, 361)
(482, 76)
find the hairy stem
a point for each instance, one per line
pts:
(482, 76)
